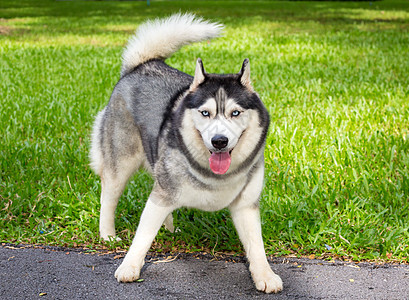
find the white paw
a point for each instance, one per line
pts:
(268, 282)
(127, 273)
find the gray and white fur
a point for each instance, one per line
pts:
(202, 138)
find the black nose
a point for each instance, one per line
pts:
(219, 141)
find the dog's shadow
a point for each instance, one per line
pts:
(199, 277)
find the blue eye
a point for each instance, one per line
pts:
(235, 113)
(205, 113)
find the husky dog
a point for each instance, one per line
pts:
(202, 138)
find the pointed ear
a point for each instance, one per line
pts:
(199, 75)
(244, 75)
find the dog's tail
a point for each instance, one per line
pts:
(160, 38)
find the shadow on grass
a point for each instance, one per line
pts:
(80, 17)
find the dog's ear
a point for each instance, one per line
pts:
(199, 75)
(244, 75)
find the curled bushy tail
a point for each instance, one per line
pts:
(160, 38)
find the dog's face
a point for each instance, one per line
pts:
(225, 121)
(221, 122)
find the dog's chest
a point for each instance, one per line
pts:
(215, 198)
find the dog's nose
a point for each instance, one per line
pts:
(219, 141)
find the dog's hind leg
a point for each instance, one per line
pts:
(113, 181)
(116, 154)
(111, 190)
(169, 223)
(112, 186)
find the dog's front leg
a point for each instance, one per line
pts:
(247, 222)
(151, 220)
(246, 217)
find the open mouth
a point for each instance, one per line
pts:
(219, 162)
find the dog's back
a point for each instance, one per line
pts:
(148, 93)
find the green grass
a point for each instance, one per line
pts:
(334, 76)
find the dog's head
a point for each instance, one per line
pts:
(225, 123)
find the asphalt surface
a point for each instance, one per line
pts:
(53, 273)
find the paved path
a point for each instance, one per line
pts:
(50, 273)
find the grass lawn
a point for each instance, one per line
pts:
(334, 76)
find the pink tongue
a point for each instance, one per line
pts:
(220, 162)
